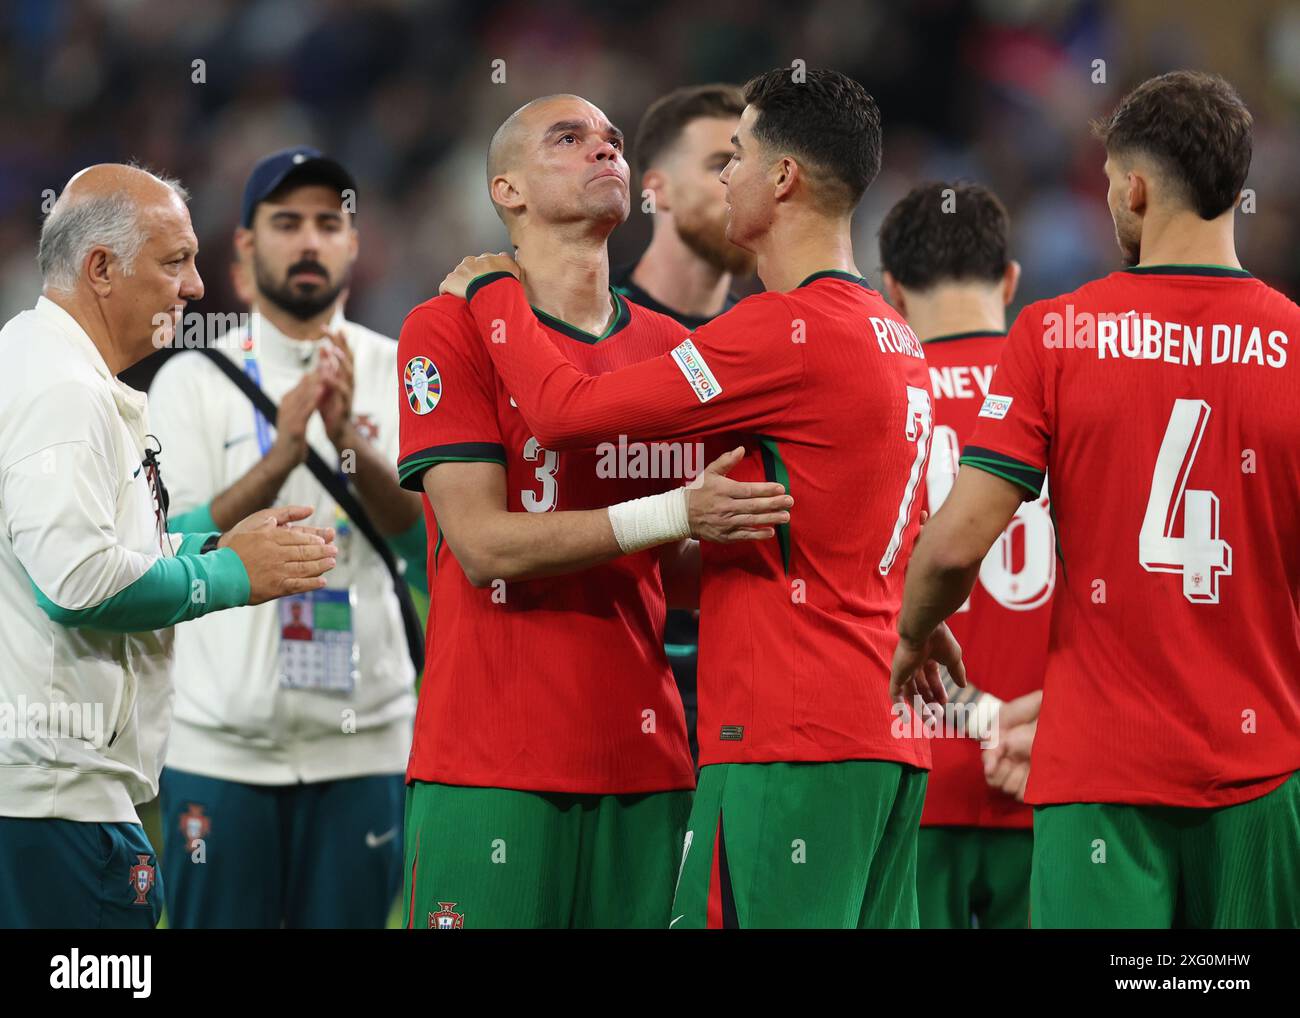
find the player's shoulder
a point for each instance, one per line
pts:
(443, 313)
(837, 296)
(444, 321)
(646, 320)
(1275, 302)
(767, 305)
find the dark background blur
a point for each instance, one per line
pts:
(996, 91)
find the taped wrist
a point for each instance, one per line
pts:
(646, 522)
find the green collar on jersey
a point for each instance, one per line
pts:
(621, 317)
(1189, 270)
(977, 334)
(835, 274)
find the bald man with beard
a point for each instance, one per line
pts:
(550, 780)
(91, 582)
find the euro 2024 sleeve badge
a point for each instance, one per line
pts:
(423, 385)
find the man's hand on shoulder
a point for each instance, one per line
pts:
(457, 281)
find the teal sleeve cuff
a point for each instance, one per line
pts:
(228, 584)
(171, 590)
(192, 543)
(197, 519)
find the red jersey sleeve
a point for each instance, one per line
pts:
(447, 400)
(1012, 432)
(741, 371)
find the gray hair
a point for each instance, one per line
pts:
(72, 229)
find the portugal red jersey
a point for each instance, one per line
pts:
(826, 388)
(1002, 627)
(556, 684)
(1164, 404)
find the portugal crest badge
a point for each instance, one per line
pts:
(195, 825)
(445, 918)
(423, 385)
(141, 879)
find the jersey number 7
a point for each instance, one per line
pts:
(919, 416)
(1200, 554)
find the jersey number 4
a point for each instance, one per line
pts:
(1200, 554)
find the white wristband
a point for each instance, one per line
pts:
(646, 522)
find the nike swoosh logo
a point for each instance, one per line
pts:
(237, 439)
(674, 922)
(374, 842)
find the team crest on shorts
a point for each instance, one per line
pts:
(445, 918)
(195, 825)
(141, 880)
(423, 384)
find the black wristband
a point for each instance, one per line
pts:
(210, 544)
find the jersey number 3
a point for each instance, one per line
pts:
(544, 501)
(1200, 554)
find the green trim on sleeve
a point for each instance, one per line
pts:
(1008, 468)
(411, 468)
(171, 590)
(197, 519)
(484, 279)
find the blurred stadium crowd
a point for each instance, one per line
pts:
(402, 92)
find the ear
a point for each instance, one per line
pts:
(1010, 281)
(504, 193)
(786, 173)
(656, 181)
(895, 294)
(99, 268)
(243, 243)
(1137, 193)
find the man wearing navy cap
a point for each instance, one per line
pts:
(282, 794)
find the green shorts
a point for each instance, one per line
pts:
(1103, 865)
(802, 845)
(973, 877)
(497, 858)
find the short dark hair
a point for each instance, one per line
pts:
(669, 115)
(943, 232)
(827, 120)
(1195, 126)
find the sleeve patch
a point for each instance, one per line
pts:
(696, 370)
(423, 385)
(995, 407)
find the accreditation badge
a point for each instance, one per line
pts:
(318, 647)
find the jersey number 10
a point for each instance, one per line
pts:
(1022, 589)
